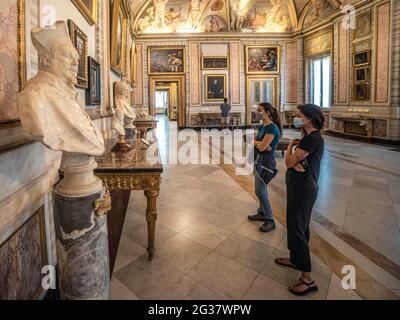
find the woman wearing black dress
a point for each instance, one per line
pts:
(303, 160)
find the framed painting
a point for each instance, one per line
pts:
(262, 59)
(362, 58)
(361, 91)
(88, 8)
(80, 42)
(166, 60)
(214, 63)
(215, 87)
(93, 92)
(361, 74)
(119, 33)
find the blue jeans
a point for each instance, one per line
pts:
(262, 195)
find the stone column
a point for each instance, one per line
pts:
(80, 204)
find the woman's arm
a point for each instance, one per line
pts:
(292, 159)
(265, 143)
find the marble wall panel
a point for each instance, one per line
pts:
(382, 53)
(235, 72)
(194, 73)
(292, 72)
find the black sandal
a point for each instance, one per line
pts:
(311, 288)
(291, 265)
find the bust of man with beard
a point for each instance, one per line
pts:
(48, 106)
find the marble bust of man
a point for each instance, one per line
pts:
(122, 106)
(48, 106)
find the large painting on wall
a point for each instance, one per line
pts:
(215, 87)
(119, 31)
(262, 59)
(88, 8)
(164, 60)
(80, 41)
(93, 92)
(214, 63)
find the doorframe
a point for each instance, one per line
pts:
(165, 89)
(276, 89)
(181, 85)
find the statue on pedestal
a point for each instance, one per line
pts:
(49, 113)
(124, 115)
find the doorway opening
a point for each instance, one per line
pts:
(167, 98)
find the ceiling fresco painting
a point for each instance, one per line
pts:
(272, 16)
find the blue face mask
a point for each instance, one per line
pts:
(298, 123)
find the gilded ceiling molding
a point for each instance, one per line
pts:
(293, 14)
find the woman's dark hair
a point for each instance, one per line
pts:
(273, 113)
(314, 113)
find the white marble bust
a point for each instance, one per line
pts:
(48, 106)
(123, 108)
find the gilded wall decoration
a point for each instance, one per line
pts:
(318, 44)
(138, 91)
(119, 33)
(88, 8)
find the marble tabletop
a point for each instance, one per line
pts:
(140, 159)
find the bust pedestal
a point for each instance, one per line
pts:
(130, 129)
(82, 238)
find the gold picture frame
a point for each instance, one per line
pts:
(362, 58)
(80, 42)
(361, 74)
(215, 89)
(119, 33)
(163, 56)
(361, 91)
(89, 12)
(207, 63)
(257, 66)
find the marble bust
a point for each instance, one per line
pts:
(48, 106)
(123, 107)
(50, 113)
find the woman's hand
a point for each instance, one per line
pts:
(295, 142)
(299, 168)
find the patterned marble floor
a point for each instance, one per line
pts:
(206, 248)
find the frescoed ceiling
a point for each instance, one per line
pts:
(179, 16)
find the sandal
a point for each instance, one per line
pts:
(289, 265)
(311, 288)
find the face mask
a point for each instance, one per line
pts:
(298, 123)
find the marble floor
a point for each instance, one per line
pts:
(207, 249)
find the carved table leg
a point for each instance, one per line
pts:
(151, 216)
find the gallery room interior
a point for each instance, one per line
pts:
(200, 150)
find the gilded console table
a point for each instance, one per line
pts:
(143, 125)
(121, 173)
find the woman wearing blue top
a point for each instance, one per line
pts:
(265, 143)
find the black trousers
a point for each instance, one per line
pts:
(302, 192)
